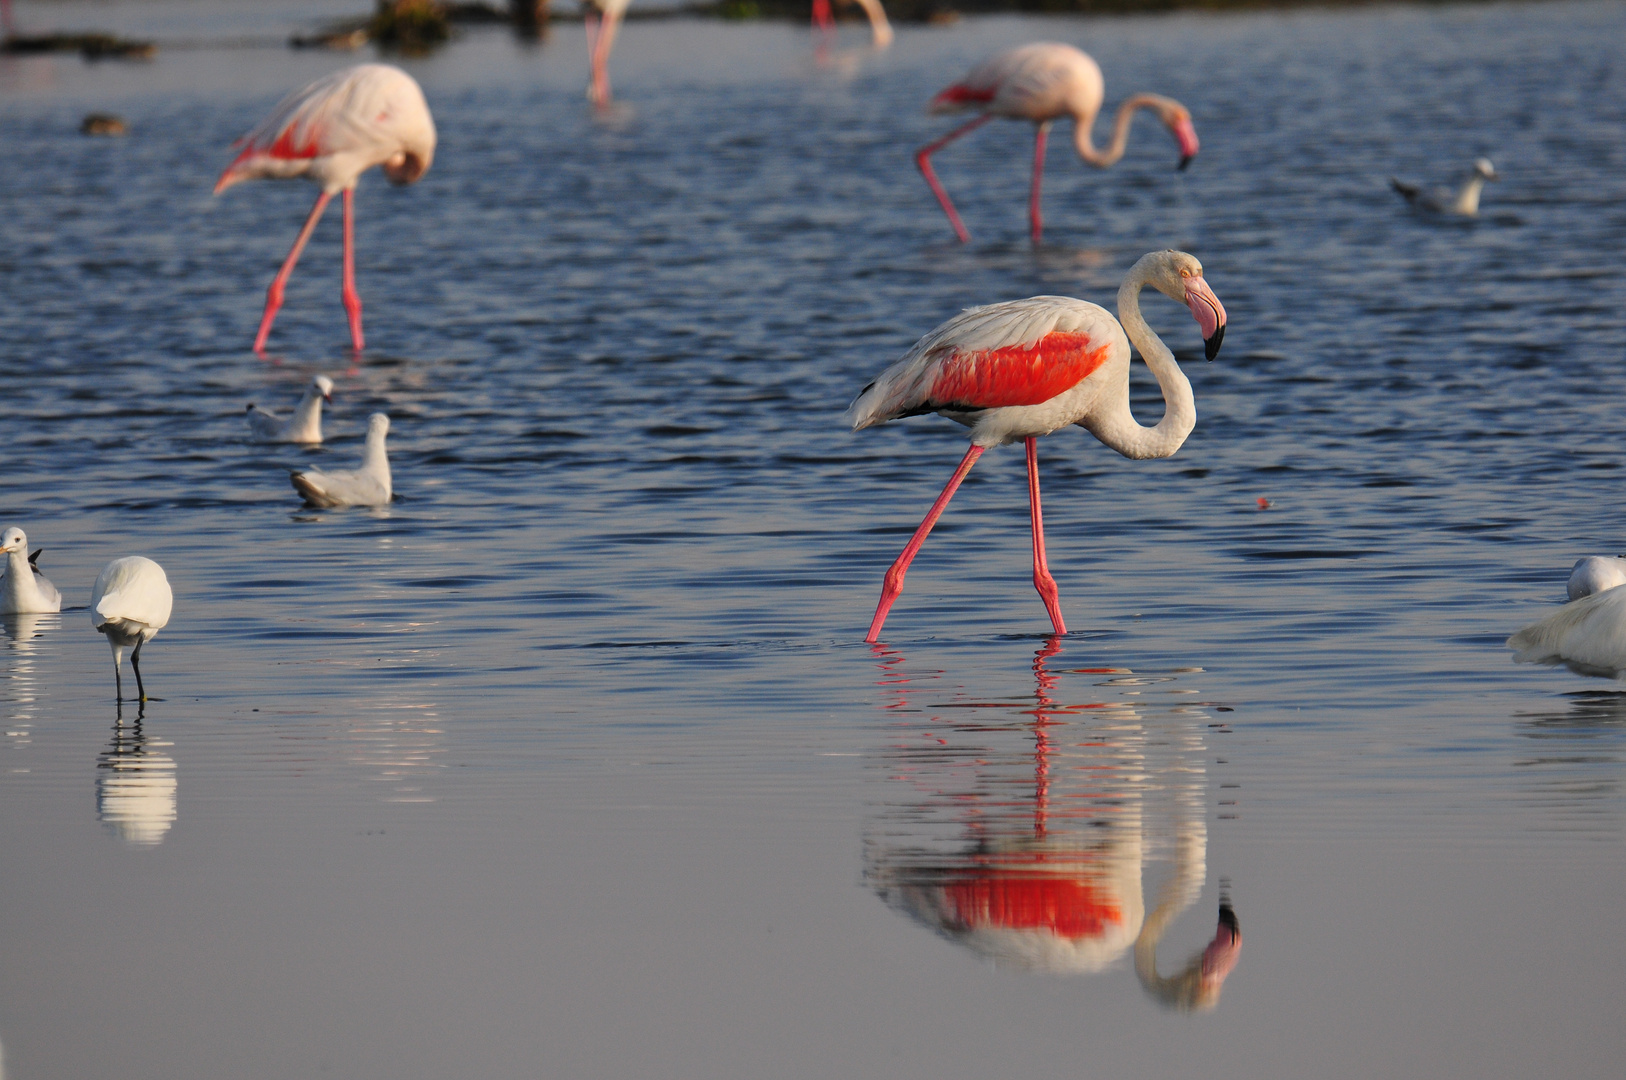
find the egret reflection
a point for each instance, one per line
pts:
(136, 785)
(1022, 830)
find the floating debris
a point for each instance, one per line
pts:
(98, 123)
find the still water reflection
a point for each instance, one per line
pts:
(136, 784)
(1024, 830)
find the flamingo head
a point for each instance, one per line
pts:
(13, 539)
(324, 386)
(404, 167)
(1180, 277)
(1179, 121)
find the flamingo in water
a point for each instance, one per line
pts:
(332, 131)
(1025, 368)
(1044, 82)
(880, 29)
(603, 18)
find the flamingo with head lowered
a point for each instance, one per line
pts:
(332, 131)
(1043, 83)
(1024, 368)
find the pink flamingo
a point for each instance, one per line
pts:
(1043, 83)
(332, 131)
(880, 29)
(603, 19)
(1025, 368)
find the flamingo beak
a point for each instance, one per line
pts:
(1209, 313)
(1186, 136)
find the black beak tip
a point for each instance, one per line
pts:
(1211, 345)
(1185, 159)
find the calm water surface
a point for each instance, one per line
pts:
(572, 763)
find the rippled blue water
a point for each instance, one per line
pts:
(572, 762)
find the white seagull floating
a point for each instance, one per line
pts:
(130, 603)
(1464, 203)
(366, 486)
(304, 426)
(23, 588)
(1595, 573)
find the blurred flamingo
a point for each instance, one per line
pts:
(603, 19)
(1044, 82)
(1025, 368)
(332, 131)
(880, 29)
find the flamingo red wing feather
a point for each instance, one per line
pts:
(961, 94)
(1017, 374)
(1063, 906)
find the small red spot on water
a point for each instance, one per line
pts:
(1264, 503)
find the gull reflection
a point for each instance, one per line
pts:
(135, 785)
(1021, 830)
(23, 684)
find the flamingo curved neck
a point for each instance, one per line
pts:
(1084, 140)
(1116, 425)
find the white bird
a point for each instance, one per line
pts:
(23, 588)
(366, 486)
(304, 426)
(1588, 634)
(130, 603)
(1465, 203)
(1595, 573)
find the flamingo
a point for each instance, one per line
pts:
(1025, 368)
(332, 131)
(130, 603)
(603, 19)
(24, 589)
(880, 29)
(1044, 82)
(1465, 203)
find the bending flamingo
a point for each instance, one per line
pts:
(603, 19)
(880, 29)
(1025, 368)
(332, 131)
(1043, 83)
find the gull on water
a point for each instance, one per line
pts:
(1595, 573)
(304, 426)
(1464, 203)
(130, 603)
(366, 486)
(23, 588)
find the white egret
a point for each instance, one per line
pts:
(130, 603)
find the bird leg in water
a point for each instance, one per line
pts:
(894, 577)
(1040, 139)
(135, 665)
(118, 680)
(351, 298)
(1041, 567)
(923, 158)
(273, 295)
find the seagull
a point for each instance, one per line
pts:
(1595, 573)
(130, 603)
(366, 486)
(23, 588)
(304, 426)
(1464, 203)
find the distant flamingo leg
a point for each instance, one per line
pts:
(1040, 138)
(1041, 568)
(273, 295)
(894, 577)
(351, 298)
(602, 38)
(923, 159)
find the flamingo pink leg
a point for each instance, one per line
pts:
(894, 577)
(273, 295)
(821, 15)
(1041, 567)
(923, 159)
(351, 298)
(601, 37)
(1040, 138)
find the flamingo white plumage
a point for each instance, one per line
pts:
(1024, 368)
(880, 30)
(1594, 574)
(1043, 83)
(130, 603)
(367, 486)
(304, 426)
(23, 588)
(332, 131)
(603, 19)
(1465, 203)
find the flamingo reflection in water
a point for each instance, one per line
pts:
(1034, 858)
(136, 785)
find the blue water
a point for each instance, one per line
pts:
(572, 761)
